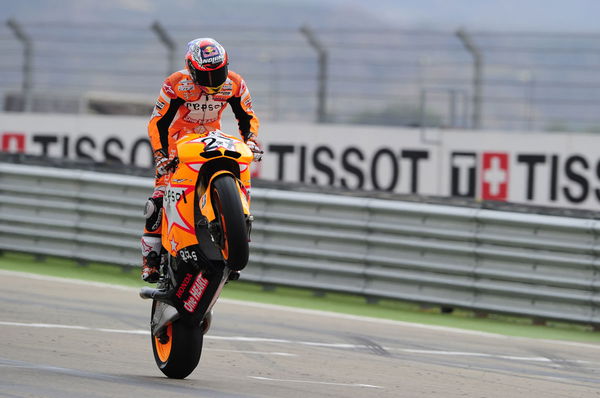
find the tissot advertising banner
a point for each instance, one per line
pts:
(534, 168)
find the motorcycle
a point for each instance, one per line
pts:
(205, 234)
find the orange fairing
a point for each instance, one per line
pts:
(194, 151)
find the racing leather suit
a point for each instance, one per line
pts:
(181, 108)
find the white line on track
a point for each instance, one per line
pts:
(74, 327)
(284, 341)
(484, 355)
(312, 312)
(304, 343)
(65, 280)
(279, 354)
(314, 382)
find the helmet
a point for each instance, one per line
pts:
(207, 61)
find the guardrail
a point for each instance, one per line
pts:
(541, 266)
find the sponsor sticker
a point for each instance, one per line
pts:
(188, 255)
(184, 284)
(196, 292)
(209, 51)
(168, 89)
(186, 85)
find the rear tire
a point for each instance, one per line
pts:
(232, 221)
(178, 354)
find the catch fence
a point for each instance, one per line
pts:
(407, 77)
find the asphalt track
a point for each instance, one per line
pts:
(76, 339)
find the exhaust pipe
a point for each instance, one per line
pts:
(155, 294)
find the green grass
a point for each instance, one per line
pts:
(303, 298)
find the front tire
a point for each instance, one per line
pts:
(232, 222)
(177, 351)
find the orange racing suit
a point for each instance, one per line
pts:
(182, 107)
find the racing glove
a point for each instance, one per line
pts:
(256, 150)
(163, 163)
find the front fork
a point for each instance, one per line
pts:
(208, 216)
(206, 205)
(214, 228)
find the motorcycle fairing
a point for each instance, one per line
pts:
(195, 288)
(198, 156)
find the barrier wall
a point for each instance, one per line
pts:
(542, 266)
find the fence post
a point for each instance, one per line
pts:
(169, 43)
(477, 75)
(27, 85)
(322, 90)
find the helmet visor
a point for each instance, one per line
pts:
(208, 78)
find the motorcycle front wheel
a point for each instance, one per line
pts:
(232, 221)
(177, 350)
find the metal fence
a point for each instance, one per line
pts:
(525, 81)
(541, 266)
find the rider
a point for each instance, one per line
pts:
(191, 101)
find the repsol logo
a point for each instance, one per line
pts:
(111, 149)
(174, 195)
(351, 167)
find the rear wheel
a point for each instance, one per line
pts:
(230, 216)
(177, 350)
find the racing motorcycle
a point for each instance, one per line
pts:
(205, 233)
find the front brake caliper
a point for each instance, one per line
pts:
(214, 228)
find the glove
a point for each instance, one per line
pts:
(256, 151)
(247, 136)
(162, 163)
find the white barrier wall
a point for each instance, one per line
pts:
(552, 169)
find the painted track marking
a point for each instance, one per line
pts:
(314, 382)
(313, 312)
(279, 354)
(305, 343)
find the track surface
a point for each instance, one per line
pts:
(71, 339)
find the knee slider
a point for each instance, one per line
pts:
(153, 213)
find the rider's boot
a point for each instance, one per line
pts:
(151, 240)
(150, 267)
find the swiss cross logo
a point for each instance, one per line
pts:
(494, 176)
(13, 142)
(482, 175)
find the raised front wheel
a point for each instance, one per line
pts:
(232, 221)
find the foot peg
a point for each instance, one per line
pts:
(233, 276)
(205, 325)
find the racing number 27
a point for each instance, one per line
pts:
(209, 143)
